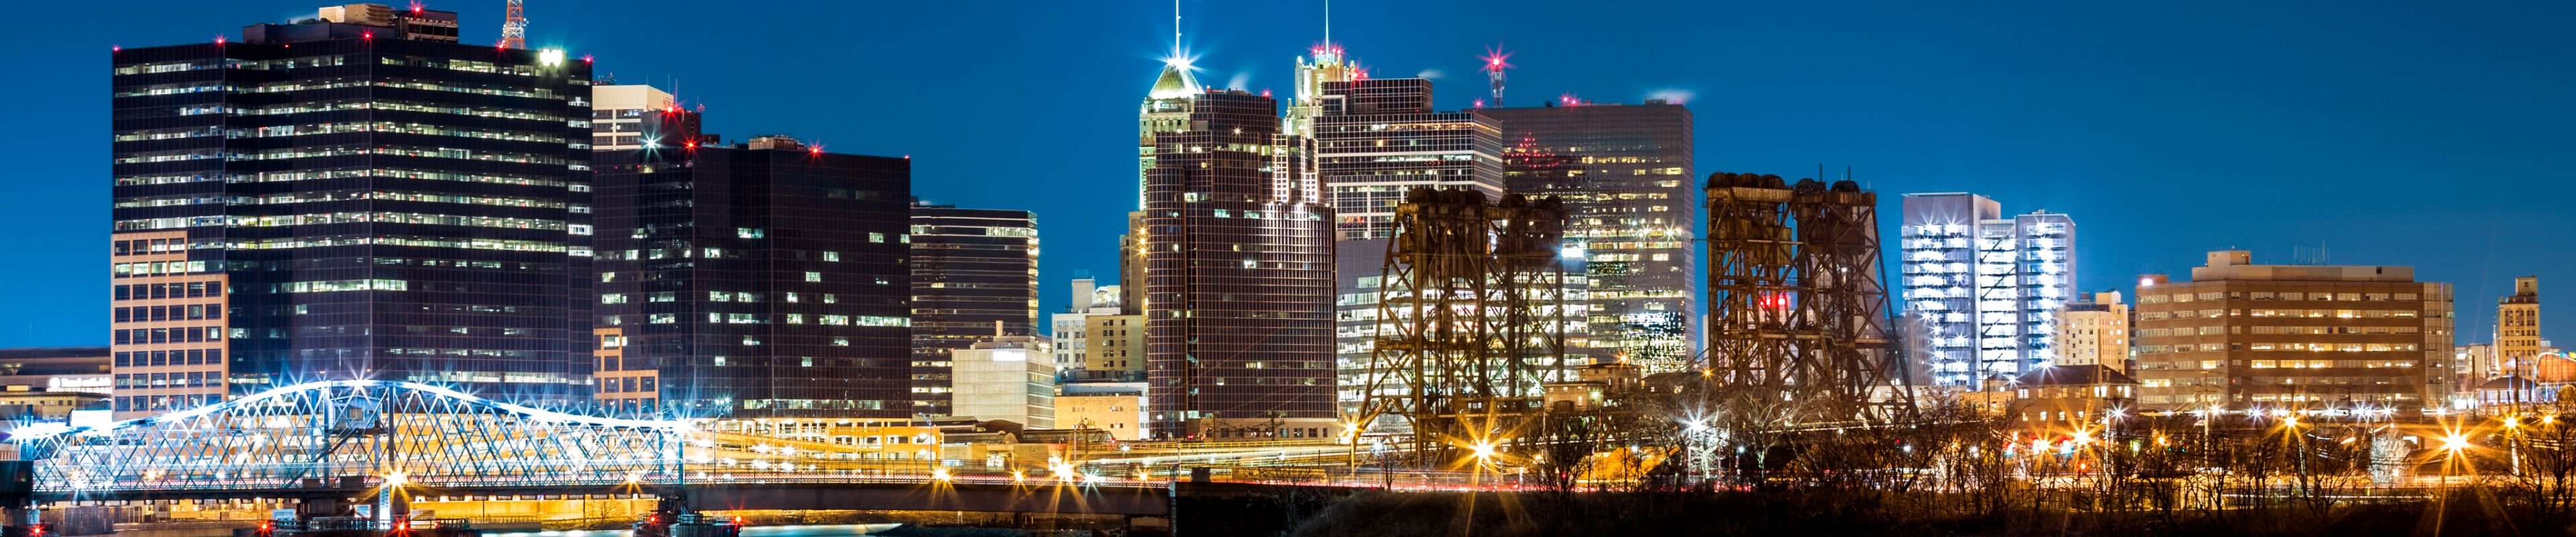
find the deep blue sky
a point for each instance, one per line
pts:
(2401, 133)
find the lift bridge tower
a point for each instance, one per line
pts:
(1472, 311)
(1799, 321)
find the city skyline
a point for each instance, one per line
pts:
(411, 269)
(2152, 227)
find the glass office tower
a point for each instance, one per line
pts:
(356, 196)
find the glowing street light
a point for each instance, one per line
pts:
(2454, 442)
(940, 475)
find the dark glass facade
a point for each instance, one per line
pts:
(971, 269)
(1238, 273)
(738, 282)
(1624, 172)
(375, 206)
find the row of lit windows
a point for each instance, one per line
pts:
(314, 107)
(156, 268)
(2313, 314)
(311, 197)
(2270, 295)
(340, 151)
(190, 312)
(344, 174)
(329, 286)
(347, 218)
(791, 318)
(434, 242)
(2281, 347)
(147, 336)
(2269, 329)
(164, 402)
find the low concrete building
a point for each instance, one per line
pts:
(1117, 408)
(1009, 378)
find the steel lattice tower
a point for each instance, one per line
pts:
(514, 26)
(1798, 313)
(1471, 318)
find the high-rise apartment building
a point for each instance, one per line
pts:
(627, 117)
(350, 196)
(2094, 330)
(2244, 336)
(2517, 336)
(1378, 139)
(761, 280)
(1238, 269)
(971, 269)
(1985, 289)
(1624, 173)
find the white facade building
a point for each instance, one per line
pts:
(998, 380)
(1986, 289)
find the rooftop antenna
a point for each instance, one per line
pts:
(1176, 28)
(514, 27)
(1494, 66)
(1328, 23)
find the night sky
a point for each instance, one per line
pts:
(2429, 134)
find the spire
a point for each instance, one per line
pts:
(1176, 81)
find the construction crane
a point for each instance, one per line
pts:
(514, 27)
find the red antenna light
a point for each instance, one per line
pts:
(1265, 92)
(585, 58)
(415, 8)
(116, 48)
(219, 40)
(1480, 103)
(368, 35)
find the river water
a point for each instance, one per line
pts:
(835, 530)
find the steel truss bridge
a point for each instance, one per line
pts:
(351, 438)
(322, 434)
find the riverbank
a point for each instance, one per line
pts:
(1771, 514)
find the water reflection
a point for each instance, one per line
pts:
(754, 531)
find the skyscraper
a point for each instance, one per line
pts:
(1624, 173)
(1985, 289)
(763, 280)
(971, 270)
(351, 196)
(1238, 270)
(1378, 139)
